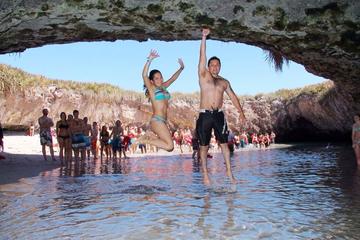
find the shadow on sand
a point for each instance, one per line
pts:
(17, 166)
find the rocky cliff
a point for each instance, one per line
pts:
(296, 115)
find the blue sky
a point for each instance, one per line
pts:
(120, 63)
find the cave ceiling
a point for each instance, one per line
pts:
(322, 35)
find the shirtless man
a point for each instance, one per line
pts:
(77, 136)
(45, 133)
(211, 116)
(116, 134)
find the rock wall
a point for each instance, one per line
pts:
(320, 112)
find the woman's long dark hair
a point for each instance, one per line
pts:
(63, 113)
(151, 77)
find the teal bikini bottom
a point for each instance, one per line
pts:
(158, 118)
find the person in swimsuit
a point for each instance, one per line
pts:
(356, 138)
(142, 147)
(94, 139)
(63, 137)
(272, 137)
(125, 143)
(243, 140)
(211, 116)
(179, 137)
(31, 129)
(45, 124)
(116, 134)
(87, 133)
(156, 91)
(104, 142)
(78, 141)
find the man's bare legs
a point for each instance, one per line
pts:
(83, 155)
(226, 153)
(88, 153)
(203, 159)
(44, 151)
(51, 152)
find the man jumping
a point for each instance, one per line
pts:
(211, 116)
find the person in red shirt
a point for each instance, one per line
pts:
(125, 145)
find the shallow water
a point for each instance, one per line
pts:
(303, 192)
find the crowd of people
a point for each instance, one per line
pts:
(79, 140)
(118, 142)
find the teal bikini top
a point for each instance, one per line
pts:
(357, 129)
(161, 94)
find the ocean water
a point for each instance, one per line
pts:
(301, 192)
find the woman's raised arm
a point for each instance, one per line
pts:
(175, 75)
(153, 54)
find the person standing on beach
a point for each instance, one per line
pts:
(31, 129)
(211, 116)
(272, 137)
(356, 138)
(45, 124)
(116, 134)
(78, 140)
(63, 137)
(156, 91)
(104, 142)
(87, 133)
(94, 139)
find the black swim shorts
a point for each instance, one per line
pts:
(209, 120)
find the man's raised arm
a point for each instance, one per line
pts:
(202, 60)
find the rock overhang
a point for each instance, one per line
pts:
(324, 36)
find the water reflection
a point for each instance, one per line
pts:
(306, 192)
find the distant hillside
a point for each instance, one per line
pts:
(293, 114)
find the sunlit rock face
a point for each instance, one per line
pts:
(322, 35)
(321, 112)
(306, 117)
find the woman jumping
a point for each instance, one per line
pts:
(156, 91)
